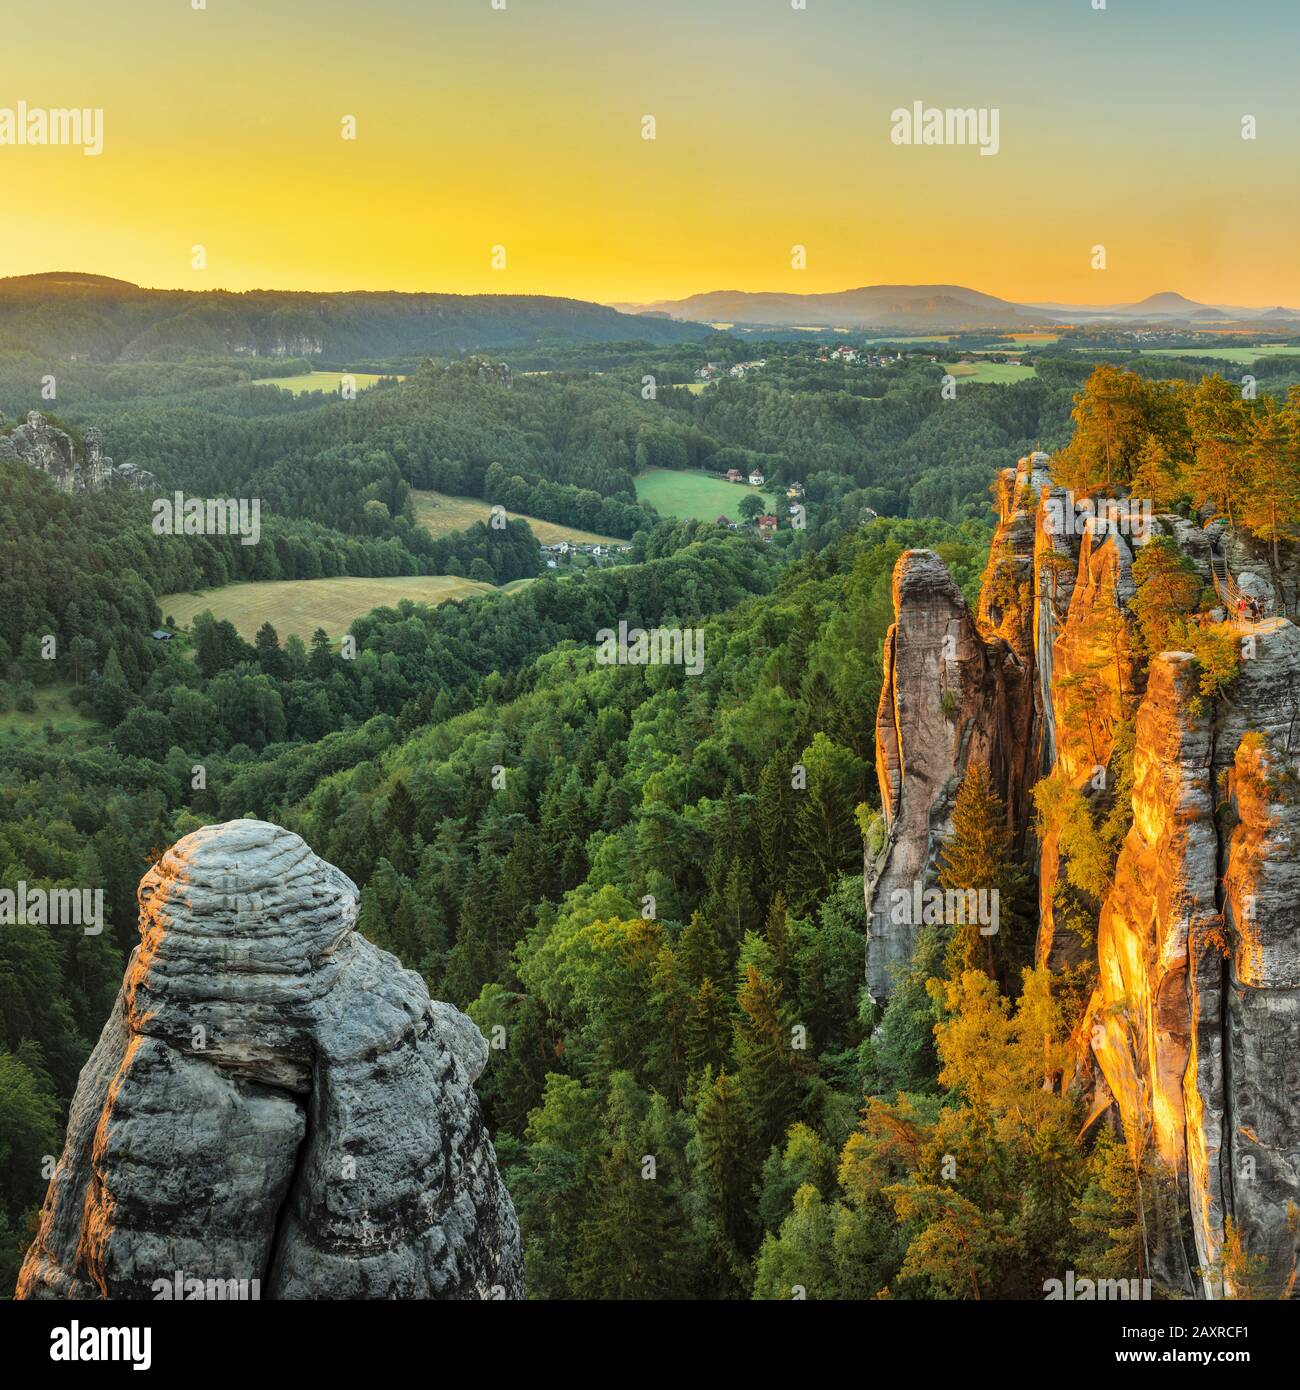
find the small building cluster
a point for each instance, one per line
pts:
(561, 553)
(711, 371)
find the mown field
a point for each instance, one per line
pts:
(319, 381)
(439, 513)
(989, 373)
(303, 605)
(691, 494)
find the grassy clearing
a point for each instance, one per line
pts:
(440, 514)
(693, 494)
(303, 605)
(1241, 356)
(52, 707)
(320, 381)
(990, 373)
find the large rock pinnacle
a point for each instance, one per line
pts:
(273, 1099)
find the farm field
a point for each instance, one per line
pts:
(1241, 356)
(302, 605)
(683, 494)
(319, 381)
(990, 373)
(440, 514)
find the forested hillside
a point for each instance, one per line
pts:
(111, 320)
(644, 886)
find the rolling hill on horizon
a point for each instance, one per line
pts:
(937, 307)
(105, 319)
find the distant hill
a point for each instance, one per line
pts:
(928, 308)
(1166, 302)
(870, 306)
(1166, 308)
(61, 313)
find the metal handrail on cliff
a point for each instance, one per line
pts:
(1226, 587)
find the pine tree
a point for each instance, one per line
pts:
(699, 957)
(979, 858)
(1271, 503)
(707, 1029)
(767, 1064)
(723, 1166)
(320, 663)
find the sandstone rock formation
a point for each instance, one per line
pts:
(274, 1099)
(52, 451)
(1194, 1020)
(1196, 1017)
(956, 689)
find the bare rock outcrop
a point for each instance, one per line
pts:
(1088, 686)
(947, 698)
(957, 689)
(274, 1099)
(52, 451)
(1196, 1018)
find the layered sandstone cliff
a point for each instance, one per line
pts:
(52, 451)
(274, 1099)
(957, 689)
(1194, 1020)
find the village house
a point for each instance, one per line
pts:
(767, 527)
(734, 475)
(756, 479)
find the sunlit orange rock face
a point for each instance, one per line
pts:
(1155, 1014)
(1196, 1020)
(1083, 584)
(275, 1105)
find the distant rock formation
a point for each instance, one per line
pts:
(496, 373)
(51, 451)
(274, 1099)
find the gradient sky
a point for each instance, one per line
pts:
(522, 127)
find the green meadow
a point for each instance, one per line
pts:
(676, 492)
(990, 373)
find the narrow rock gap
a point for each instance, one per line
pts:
(279, 1232)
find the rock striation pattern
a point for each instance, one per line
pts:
(273, 1099)
(947, 698)
(1195, 1022)
(957, 688)
(51, 451)
(1191, 1038)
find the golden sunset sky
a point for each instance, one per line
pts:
(522, 127)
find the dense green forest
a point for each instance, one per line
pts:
(645, 887)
